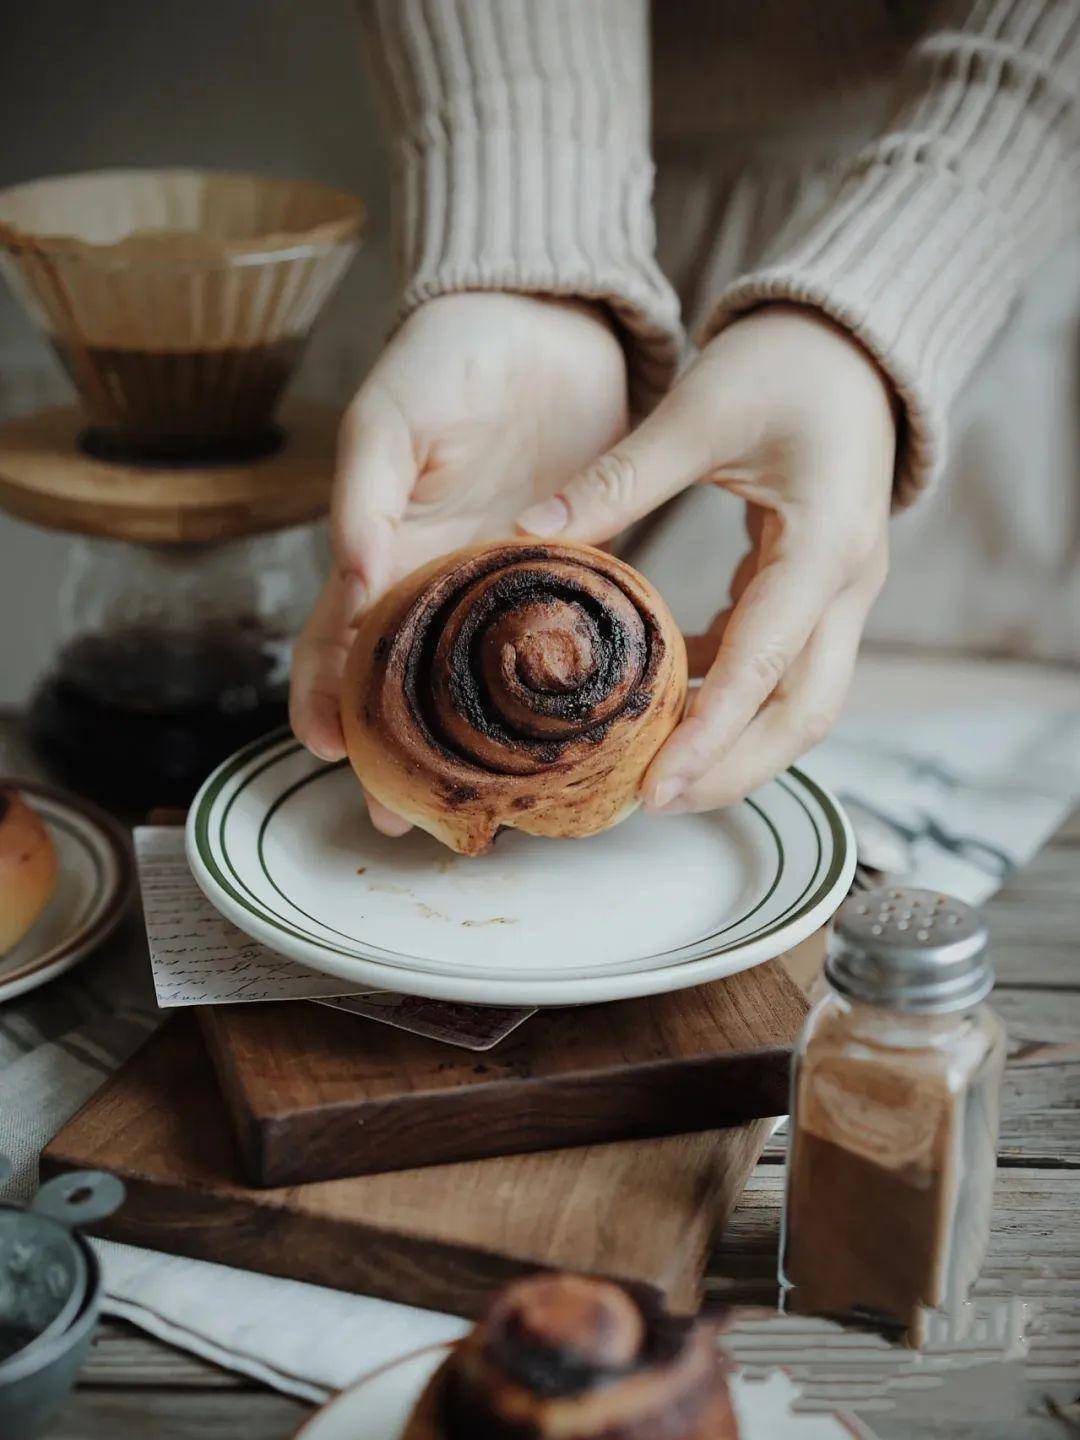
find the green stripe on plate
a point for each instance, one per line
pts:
(238, 890)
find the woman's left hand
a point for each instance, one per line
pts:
(783, 409)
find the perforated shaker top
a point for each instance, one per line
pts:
(907, 949)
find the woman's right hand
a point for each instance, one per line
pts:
(481, 405)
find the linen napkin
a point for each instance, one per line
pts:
(975, 791)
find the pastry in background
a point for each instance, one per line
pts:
(28, 868)
(578, 1359)
(520, 683)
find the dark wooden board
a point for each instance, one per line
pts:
(317, 1093)
(446, 1236)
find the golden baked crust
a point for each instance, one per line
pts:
(519, 683)
(28, 868)
(569, 1358)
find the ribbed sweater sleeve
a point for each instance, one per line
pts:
(519, 136)
(932, 229)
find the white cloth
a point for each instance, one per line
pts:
(1000, 775)
(302, 1339)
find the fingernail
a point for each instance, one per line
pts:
(547, 518)
(665, 793)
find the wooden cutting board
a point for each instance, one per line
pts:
(315, 1093)
(445, 1237)
(47, 479)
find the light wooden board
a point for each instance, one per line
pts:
(46, 479)
(444, 1237)
(316, 1093)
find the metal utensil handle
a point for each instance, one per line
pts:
(79, 1198)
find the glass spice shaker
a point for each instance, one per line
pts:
(894, 1117)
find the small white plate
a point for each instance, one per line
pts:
(378, 1407)
(281, 845)
(92, 889)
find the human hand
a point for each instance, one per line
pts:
(783, 409)
(480, 405)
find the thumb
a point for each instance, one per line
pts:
(667, 452)
(375, 476)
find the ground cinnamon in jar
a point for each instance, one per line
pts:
(894, 1117)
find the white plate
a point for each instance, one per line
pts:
(281, 845)
(92, 889)
(377, 1407)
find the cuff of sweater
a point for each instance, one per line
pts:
(918, 270)
(489, 212)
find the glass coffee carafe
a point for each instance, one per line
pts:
(171, 657)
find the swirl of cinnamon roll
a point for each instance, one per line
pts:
(519, 683)
(578, 1359)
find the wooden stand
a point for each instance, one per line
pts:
(47, 480)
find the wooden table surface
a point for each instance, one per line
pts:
(135, 1388)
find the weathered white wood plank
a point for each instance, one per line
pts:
(1035, 916)
(93, 1414)
(1034, 1256)
(1040, 1103)
(122, 1356)
(1036, 1427)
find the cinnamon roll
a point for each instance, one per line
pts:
(519, 683)
(578, 1359)
(28, 868)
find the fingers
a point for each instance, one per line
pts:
(376, 473)
(315, 690)
(388, 822)
(702, 650)
(668, 451)
(798, 716)
(769, 626)
(317, 667)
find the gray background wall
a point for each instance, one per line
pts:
(270, 85)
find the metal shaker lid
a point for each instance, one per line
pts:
(912, 950)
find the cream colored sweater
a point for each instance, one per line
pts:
(522, 159)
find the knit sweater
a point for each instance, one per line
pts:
(521, 143)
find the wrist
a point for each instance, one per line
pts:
(831, 356)
(507, 310)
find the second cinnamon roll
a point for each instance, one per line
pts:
(566, 1357)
